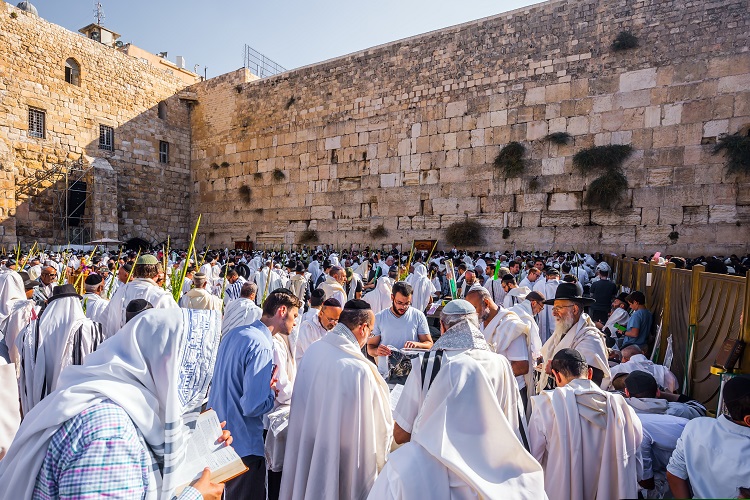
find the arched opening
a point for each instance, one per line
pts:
(72, 72)
(163, 110)
(137, 244)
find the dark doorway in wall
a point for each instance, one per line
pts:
(137, 244)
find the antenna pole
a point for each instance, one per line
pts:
(99, 13)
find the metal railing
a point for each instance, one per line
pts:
(261, 65)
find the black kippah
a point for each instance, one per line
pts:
(569, 355)
(135, 307)
(93, 279)
(285, 291)
(318, 293)
(358, 304)
(332, 302)
(737, 388)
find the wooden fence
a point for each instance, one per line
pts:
(699, 310)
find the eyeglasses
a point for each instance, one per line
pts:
(558, 308)
(54, 275)
(329, 320)
(402, 304)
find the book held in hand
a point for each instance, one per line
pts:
(204, 450)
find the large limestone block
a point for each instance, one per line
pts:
(531, 202)
(619, 217)
(568, 218)
(565, 201)
(637, 80)
(722, 213)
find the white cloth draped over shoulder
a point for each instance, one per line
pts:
(423, 287)
(284, 360)
(454, 450)
(11, 289)
(157, 369)
(620, 316)
(585, 338)
(95, 307)
(139, 288)
(242, 311)
(663, 376)
(61, 336)
(546, 320)
(587, 440)
(380, 297)
(340, 425)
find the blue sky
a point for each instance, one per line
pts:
(292, 33)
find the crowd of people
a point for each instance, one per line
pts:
(347, 374)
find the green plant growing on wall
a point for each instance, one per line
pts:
(215, 166)
(510, 159)
(225, 164)
(246, 193)
(609, 188)
(465, 233)
(534, 184)
(308, 236)
(278, 175)
(737, 148)
(290, 102)
(378, 232)
(559, 138)
(258, 176)
(506, 233)
(602, 157)
(14, 15)
(674, 236)
(625, 40)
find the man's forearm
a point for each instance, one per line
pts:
(680, 487)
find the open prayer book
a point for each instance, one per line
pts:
(203, 451)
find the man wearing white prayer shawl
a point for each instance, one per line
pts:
(199, 297)
(333, 286)
(423, 288)
(340, 424)
(313, 329)
(94, 305)
(586, 439)
(505, 333)
(60, 336)
(242, 311)
(143, 286)
(262, 277)
(139, 396)
(13, 296)
(460, 338)
(618, 315)
(574, 329)
(633, 359)
(547, 287)
(380, 298)
(462, 445)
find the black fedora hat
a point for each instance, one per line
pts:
(569, 291)
(62, 291)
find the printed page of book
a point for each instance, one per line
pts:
(204, 451)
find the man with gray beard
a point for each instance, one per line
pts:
(574, 329)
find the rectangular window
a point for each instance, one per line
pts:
(163, 152)
(36, 123)
(106, 138)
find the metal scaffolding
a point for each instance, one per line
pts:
(71, 186)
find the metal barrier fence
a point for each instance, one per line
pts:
(699, 310)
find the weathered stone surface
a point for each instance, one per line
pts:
(394, 135)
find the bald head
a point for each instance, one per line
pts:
(630, 351)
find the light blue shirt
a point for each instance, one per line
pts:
(396, 331)
(241, 390)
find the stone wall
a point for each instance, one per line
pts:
(138, 196)
(405, 134)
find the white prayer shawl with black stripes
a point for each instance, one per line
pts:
(158, 369)
(60, 336)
